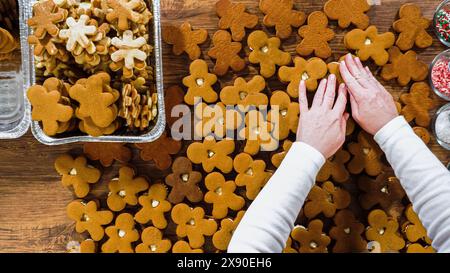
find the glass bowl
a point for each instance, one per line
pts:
(442, 13)
(442, 57)
(443, 112)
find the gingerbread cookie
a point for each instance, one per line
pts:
(221, 239)
(7, 43)
(76, 34)
(184, 39)
(348, 233)
(46, 14)
(259, 133)
(281, 15)
(221, 195)
(154, 205)
(77, 173)
(89, 218)
(226, 53)
(414, 229)
(417, 104)
(212, 154)
(123, 13)
(192, 224)
(366, 156)
(311, 239)
(418, 248)
(216, 119)
(384, 230)
(266, 52)
(369, 44)
(107, 153)
(124, 190)
(88, 246)
(121, 236)
(279, 157)
(159, 151)
(284, 114)
(404, 67)
(423, 134)
(199, 83)
(184, 247)
(233, 17)
(315, 36)
(288, 248)
(153, 242)
(311, 71)
(251, 174)
(412, 27)
(326, 199)
(348, 12)
(184, 182)
(335, 168)
(245, 93)
(174, 97)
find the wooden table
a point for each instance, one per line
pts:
(32, 199)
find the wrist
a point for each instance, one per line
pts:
(390, 129)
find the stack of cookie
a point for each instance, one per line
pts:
(75, 41)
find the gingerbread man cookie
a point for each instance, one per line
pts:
(335, 168)
(413, 228)
(348, 233)
(154, 205)
(366, 156)
(46, 14)
(311, 239)
(226, 53)
(184, 39)
(107, 152)
(315, 36)
(385, 231)
(311, 71)
(221, 239)
(221, 195)
(326, 199)
(417, 104)
(418, 248)
(184, 182)
(288, 248)
(245, 93)
(200, 83)
(266, 52)
(212, 154)
(121, 236)
(153, 242)
(348, 12)
(251, 174)
(77, 173)
(159, 151)
(124, 12)
(279, 157)
(192, 224)
(281, 15)
(423, 134)
(259, 132)
(233, 17)
(216, 119)
(284, 114)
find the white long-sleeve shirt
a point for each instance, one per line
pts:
(270, 218)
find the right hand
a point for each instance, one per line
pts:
(372, 105)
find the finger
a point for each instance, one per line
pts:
(353, 86)
(302, 98)
(351, 65)
(362, 77)
(354, 106)
(373, 79)
(341, 101)
(318, 98)
(330, 93)
(344, 120)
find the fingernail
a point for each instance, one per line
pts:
(331, 77)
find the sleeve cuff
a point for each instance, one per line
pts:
(390, 129)
(302, 154)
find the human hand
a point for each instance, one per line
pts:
(372, 105)
(323, 126)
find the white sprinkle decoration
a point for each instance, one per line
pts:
(443, 127)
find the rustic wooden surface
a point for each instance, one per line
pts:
(32, 200)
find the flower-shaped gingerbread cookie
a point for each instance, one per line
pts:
(348, 12)
(226, 53)
(284, 114)
(153, 242)
(192, 224)
(366, 156)
(184, 247)
(221, 239)
(89, 218)
(280, 14)
(199, 83)
(258, 133)
(159, 151)
(46, 14)
(216, 119)
(311, 71)
(417, 104)
(233, 17)
(326, 199)
(279, 157)
(266, 52)
(77, 34)
(124, 190)
(184, 182)
(245, 93)
(77, 173)
(311, 239)
(212, 154)
(412, 27)
(121, 12)
(107, 152)
(251, 174)
(121, 236)
(154, 205)
(335, 168)
(404, 67)
(369, 44)
(315, 36)
(221, 195)
(413, 228)
(385, 191)
(184, 39)
(385, 231)
(348, 233)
